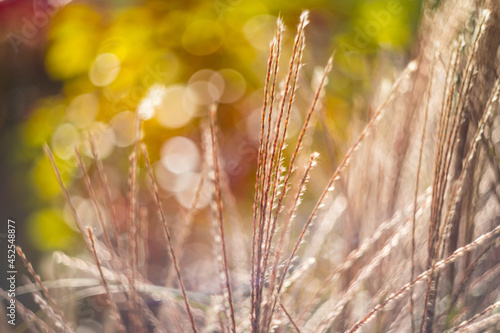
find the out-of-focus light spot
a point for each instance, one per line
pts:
(203, 92)
(183, 185)
(123, 127)
(385, 88)
(203, 37)
(259, 31)
(253, 124)
(177, 108)
(205, 87)
(83, 110)
(164, 67)
(105, 69)
(103, 137)
(170, 181)
(180, 155)
(63, 141)
(152, 100)
(234, 86)
(88, 216)
(207, 75)
(186, 197)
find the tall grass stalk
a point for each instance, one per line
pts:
(408, 218)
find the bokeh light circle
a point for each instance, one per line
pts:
(187, 197)
(234, 85)
(259, 31)
(64, 139)
(123, 128)
(105, 69)
(83, 110)
(103, 138)
(177, 108)
(180, 155)
(205, 86)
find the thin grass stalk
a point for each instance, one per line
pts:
(186, 228)
(286, 181)
(132, 263)
(290, 319)
(442, 130)
(84, 266)
(302, 134)
(481, 326)
(478, 137)
(114, 308)
(270, 224)
(107, 194)
(440, 265)
(218, 200)
(51, 302)
(132, 181)
(448, 147)
(67, 196)
(491, 154)
(428, 316)
(361, 250)
(222, 297)
(490, 276)
(292, 166)
(238, 241)
(90, 190)
(93, 197)
(470, 321)
(31, 319)
(261, 161)
(273, 165)
(449, 144)
(279, 248)
(159, 207)
(457, 190)
(79, 226)
(414, 221)
(45, 308)
(265, 162)
(48, 311)
(469, 272)
(365, 272)
(410, 68)
(285, 109)
(144, 241)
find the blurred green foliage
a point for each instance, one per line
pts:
(108, 55)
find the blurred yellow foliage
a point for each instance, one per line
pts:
(108, 58)
(48, 231)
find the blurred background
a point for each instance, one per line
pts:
(70, 69)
